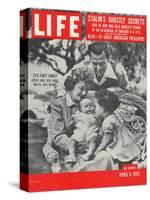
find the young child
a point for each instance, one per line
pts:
(86, 129)
(121, 128)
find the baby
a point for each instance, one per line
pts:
(86, 129)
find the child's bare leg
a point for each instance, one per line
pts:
(72, 151)
(92, 148)
(72, 147)
(53, 159)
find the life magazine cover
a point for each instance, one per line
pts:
(82, 100)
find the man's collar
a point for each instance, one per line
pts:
(69, 101)
(109, 73)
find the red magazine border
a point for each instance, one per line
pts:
(79, 180)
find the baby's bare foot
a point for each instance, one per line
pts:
(71, 159)
(56, 167)
(87, 156)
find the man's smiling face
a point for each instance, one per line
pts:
(99, 63)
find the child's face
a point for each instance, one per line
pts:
(87, 106)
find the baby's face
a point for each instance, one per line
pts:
(87, 106)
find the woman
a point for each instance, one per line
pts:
(62, 109)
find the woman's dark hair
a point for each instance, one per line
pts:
(82, 73)
(98, 48)
(108, 100)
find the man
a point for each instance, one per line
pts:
(106, 73)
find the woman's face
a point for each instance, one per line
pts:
(79, 91)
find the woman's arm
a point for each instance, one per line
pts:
(56, 123)
(56, 130)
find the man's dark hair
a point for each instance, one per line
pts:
(98, 48)
(108, 100)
